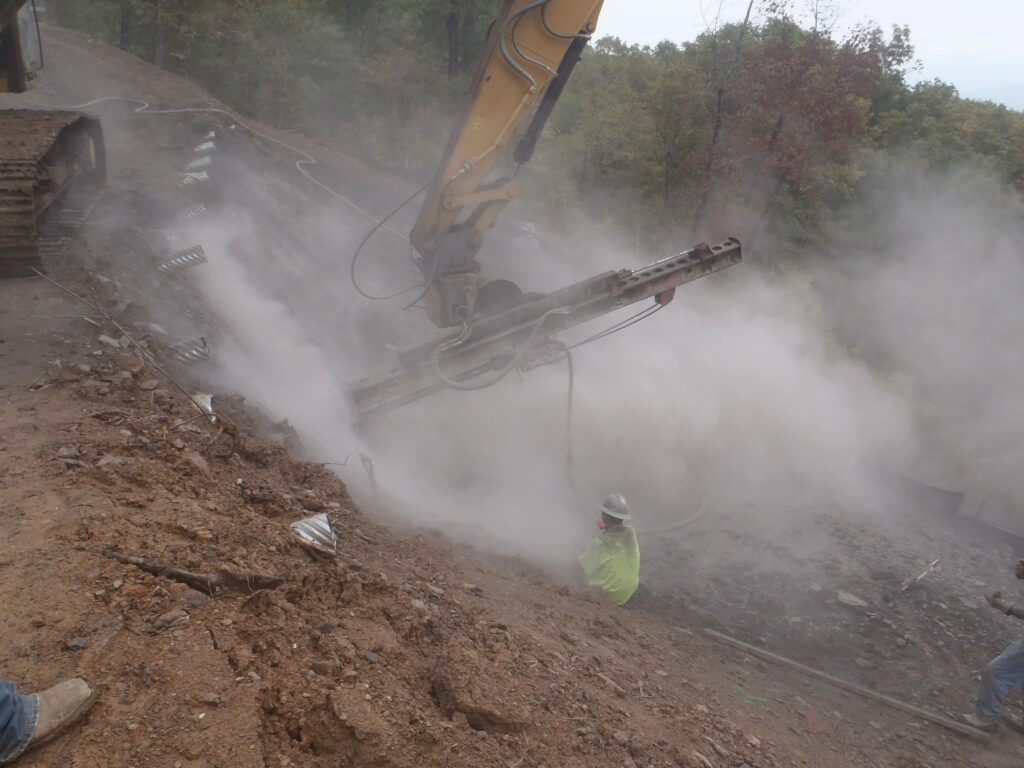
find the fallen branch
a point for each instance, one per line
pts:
(618, 688)
(945, 722)
(914, 579)
(210, 583)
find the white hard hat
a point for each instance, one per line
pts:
(616, 506)
(529, 229)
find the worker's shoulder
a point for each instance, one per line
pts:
(624, 533)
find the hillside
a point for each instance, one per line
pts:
(407, 649)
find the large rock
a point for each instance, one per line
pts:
(464, 683)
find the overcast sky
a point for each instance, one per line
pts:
(976, 46)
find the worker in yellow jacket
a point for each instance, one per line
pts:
(612, 561)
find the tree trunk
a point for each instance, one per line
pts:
(124, 32)
(159, 49)
(469, 39)
(709, 170)
(716, 132)
(454, 44)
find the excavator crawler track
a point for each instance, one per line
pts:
(42, 156)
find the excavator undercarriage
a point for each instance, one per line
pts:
(41, 156)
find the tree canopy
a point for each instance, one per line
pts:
(772, 126)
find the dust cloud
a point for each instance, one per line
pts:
(268, 355)
(929, 291)
(781, 395)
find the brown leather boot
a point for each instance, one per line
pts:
(61, 707)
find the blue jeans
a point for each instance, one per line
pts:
(1002, 674)
(18, 717)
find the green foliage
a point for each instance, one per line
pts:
(769, 131)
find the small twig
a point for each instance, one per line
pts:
(109, 412)
(212, 440)
(611, 682)
(914, 579)
(249, 597)
(194, 418)
(53, 317)
(367, 463)
(339, 463)
(954, 639)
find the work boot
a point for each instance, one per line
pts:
(982, 725)
(1013, 721)
(61, 707)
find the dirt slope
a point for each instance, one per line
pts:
(403, 651)
(406, 650)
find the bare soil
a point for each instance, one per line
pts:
(406, 649)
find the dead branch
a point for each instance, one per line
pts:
(210, 583)
(914, 579)
(618, 688)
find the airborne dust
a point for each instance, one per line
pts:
(785, 394)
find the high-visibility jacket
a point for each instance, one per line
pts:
(612, 562)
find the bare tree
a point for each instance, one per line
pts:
(721, 75)
(824, 15)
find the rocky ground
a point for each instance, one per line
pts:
(405, 649)
(402, 650)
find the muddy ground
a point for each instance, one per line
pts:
(406, 649)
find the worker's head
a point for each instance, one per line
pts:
(529, 229)
(614, 511)
(1020, 569)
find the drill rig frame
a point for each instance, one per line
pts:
(495, 344)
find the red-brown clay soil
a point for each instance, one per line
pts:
(405, 650)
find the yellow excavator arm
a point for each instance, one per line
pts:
(531, 50)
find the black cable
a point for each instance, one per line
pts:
(642, 313)
(554, 33)
(565, 353)
(653, 311)
(661, 530)
(632, 320)
(523, 54)
(569, 460)
(504, 51)
(426, 287)
(371, 233)
(517, 358)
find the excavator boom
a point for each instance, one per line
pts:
(531, 50)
